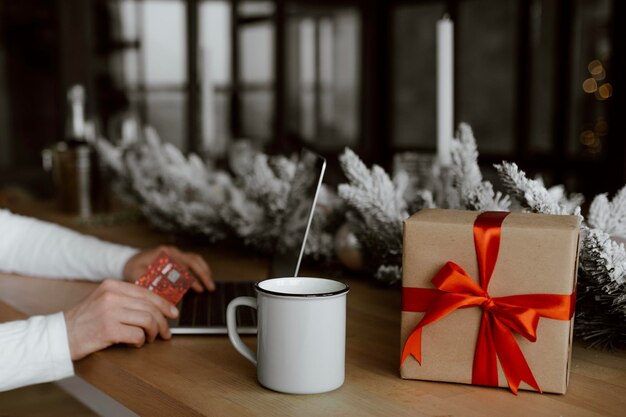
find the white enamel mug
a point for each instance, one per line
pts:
(301, 338)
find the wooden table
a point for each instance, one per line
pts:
(204, 375)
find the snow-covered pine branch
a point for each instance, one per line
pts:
(378, 209)
(256, 206)
(601, 303)
(609, 216)
(532, 194)
(472, 192)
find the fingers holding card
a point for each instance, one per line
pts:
(167, 278)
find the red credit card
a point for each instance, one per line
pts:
(167, 278)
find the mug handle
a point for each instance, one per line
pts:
(231, 325)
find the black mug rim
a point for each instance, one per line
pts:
(315, 295)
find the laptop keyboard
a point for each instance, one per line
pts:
(208, 309)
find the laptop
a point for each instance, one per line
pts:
(205, 313)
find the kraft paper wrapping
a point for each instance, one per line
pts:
(538, 255)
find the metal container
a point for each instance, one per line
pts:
(76, 177)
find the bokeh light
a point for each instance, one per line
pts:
(587, 138)
(595, 67)
(601, 127)
(600, 76)
(590, 85)
(605, 91)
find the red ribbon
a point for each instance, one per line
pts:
(501, 315)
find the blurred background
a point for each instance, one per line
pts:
(542, 82)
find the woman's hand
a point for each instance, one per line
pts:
(117, 312)
(136, 266)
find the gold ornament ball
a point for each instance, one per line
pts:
(348, 249)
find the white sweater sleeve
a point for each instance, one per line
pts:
(37, 350)
(34, 351)
(33, 247)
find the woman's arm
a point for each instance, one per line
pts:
(34, 351)
(42, 348)
(33, 247)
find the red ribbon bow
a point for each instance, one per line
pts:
(501, 315)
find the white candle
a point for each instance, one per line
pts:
(445, 89)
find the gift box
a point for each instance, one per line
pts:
(488, 298)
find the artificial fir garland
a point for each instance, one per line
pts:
(247, 203)
(601, 300)
(188, 194)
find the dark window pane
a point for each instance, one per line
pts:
(414, 75)
(215, 40)
(257, 77)
(347, 47)
(257, 53)
(308, 127)
(306, 74)
(256, 8)
(544, 16)
(124, 66)
(215, 77)
(125, 63)
(486, 71)
(163, 41)
(129, 14)
(591, 87)
(257, 111)
(323, 53)
(167, 113)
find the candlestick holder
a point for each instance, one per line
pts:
(419, 168)
(442, 182)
